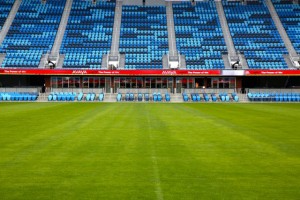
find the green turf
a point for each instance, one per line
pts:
(149, 151)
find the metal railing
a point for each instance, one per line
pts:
(272, 90)
(21, 90)
(209, 90)
(143, 90)
(78, 90)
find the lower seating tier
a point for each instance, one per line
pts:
(18, 96)
(155, 97)
(73, 96)
(275, 97)
(205, 97)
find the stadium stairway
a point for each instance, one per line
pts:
(226, 33)
(254, 33)
(171, 32)
(9, 20)
(55, 55)
(114, 58)
(110, 97)
(176, 98)
(284, 36)
(4, 30)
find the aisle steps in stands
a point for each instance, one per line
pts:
(294, 56)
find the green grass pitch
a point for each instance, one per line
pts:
(149, 151)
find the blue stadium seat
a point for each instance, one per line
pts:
(140, 97)
(154, 95)
(146, 97)
(119, 97)
(159, 97)
(101, 97)
(167, 97)
(131, 97)
(80, 96)
(213, 97)
(185, 97)
(235, 97)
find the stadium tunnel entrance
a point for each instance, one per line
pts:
(23, 81)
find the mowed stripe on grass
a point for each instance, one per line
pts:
(149, 151)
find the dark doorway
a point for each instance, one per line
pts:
(199, 82)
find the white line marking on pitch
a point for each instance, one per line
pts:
(158, 190)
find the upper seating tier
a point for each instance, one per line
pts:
(32, 33)
(289, 14)
(144, 36)
(88, 34)
(254, 33)
(199, 35)
(5, 7)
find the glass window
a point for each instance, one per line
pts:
(153, 82)
(139, 82)
(77, 82)
(224, 82)
(85, 82)
(231, 82)
(59, 82)
(122, 82)
(107, 84)
(164, 82)
(116, 83)
(53, 82)
(158, 82)
(97, 82)
(209, 80)
(133, 82)
(91, 82)
(184, 83)
(127, 82)
(190, 83)
(215, 82)
(178, 84)
(170, 84)
(102, 82)
(147, 82)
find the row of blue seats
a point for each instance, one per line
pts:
(30, 34)
(136, 33)
(277, 97)
(289, 14)
(18, 96)
(201, 40)
(89, 29)
(223, 97)
(156, 97)
(73, 96)
(251, 26)
(4, 10)
(254, 33)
